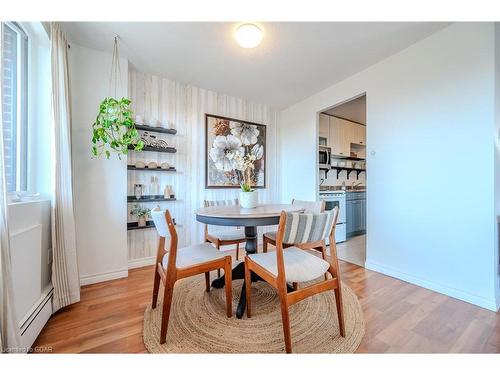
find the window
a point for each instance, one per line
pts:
(14, 56)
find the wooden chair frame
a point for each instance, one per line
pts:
(218, 242)
(172, 273)
(319, 245)
(279, 282)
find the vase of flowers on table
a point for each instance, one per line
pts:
(245, 163)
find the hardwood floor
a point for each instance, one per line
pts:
(400, 317)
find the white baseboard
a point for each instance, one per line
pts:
(104, 276)
(141, 262)
(443, 289)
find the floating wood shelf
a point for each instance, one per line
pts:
(149, 224)
(135, 225)
(340, 169)
(155, 129)
(171, 150)
(149, 198)
(158, 169)
(347, 158)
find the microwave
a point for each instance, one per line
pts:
(325, 155)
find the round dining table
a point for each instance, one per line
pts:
(250, 218)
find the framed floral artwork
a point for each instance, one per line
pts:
(235, 152)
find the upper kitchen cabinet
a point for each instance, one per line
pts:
(324, 130)
(340, 136)
(359, 134)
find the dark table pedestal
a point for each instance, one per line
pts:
(239, 271)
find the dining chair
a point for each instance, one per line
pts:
(224, 236)
(314, 207)
(295, 264)
(178, 264)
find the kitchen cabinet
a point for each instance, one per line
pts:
(355, 213)
(340, 136)
(324, 129)
(359, 134)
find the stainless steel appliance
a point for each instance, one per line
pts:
(336, 199)
(325, 155)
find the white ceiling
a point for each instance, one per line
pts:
(354, 110)
(294, 61)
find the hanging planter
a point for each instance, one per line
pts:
(114, 130)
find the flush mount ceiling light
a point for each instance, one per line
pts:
(248, 35)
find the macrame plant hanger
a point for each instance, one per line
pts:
(115, 77)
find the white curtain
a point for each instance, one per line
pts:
(9, 330)
(65, 277)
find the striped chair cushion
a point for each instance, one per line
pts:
(303, 228)
(227, 202)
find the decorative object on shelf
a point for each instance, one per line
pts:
(139, 190)
(168, 193)
(154, 187)
(113, 129)
(165, 165)
(230, 143)
(152, 122)
(153, 141)
(165, 124)
(140, 164)
(152, 165)
(142, 214)
(139, 120)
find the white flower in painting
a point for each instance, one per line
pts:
(246, 132)
(257, 151)
(224, 150)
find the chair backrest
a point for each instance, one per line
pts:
(227, 202)
(310, 207)
(165, 226)
(160, 221)
(309, 228)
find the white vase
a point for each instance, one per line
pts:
(249, 199)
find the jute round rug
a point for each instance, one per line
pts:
(198, 322)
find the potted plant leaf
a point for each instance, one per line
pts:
(113, 129)
(142, 214)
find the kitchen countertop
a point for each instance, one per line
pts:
(338, 189)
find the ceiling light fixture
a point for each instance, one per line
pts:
(248, 35)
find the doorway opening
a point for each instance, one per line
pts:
(342, 174)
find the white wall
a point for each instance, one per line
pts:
(430, 122)
(99, 185)
(497, 159)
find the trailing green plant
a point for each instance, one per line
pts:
(140, 211)
(114, 130)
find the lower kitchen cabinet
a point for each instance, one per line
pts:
(355, 214)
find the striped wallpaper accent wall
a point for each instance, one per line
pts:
(184, 107)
